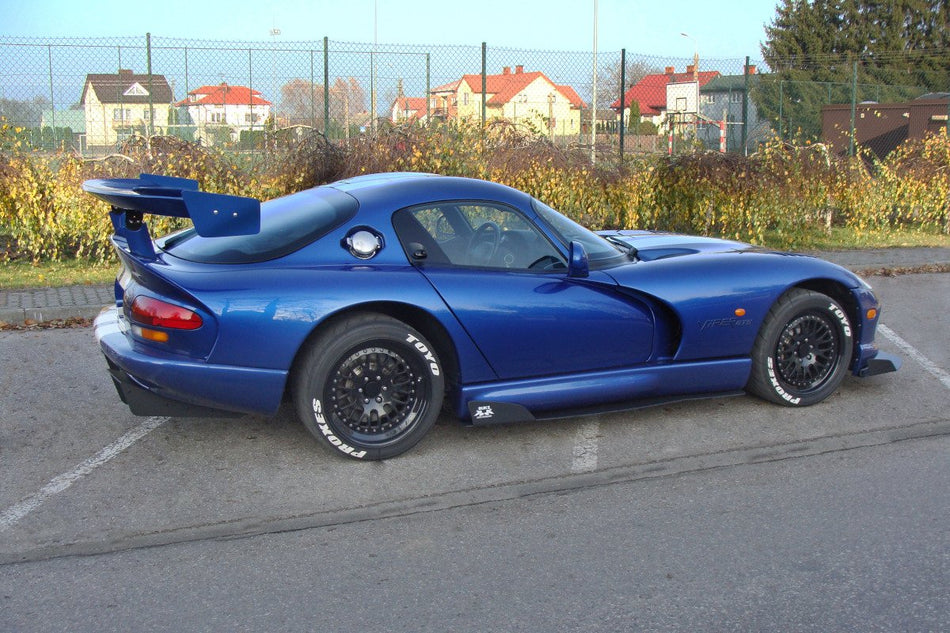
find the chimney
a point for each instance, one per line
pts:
(124, 71)
(750, 69)
(519, 69)
(670, 70)
(690, 69)
(506, 70)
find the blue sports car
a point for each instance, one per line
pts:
(372, 302)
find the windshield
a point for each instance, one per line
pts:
(287, 224)
(600, 252)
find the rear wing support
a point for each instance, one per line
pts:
(214, 215)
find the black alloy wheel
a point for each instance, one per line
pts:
(369, 386)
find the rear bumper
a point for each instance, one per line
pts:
(151, 383)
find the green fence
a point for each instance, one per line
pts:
(58, 94)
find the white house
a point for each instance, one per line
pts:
(220, 113)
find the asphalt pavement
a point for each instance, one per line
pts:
(38, 305)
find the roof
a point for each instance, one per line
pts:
(650, 92)
(224, 94)
(128, 87)
(449, 87)
(411, 107)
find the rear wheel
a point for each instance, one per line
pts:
(801, 354)
(370, 387)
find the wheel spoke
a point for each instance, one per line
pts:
(807, 351)
(373, 392)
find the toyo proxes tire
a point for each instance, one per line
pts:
(370, 386)
(803, 350)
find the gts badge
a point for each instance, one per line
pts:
(728, 322)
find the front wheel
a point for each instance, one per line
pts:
(370, 387)
(802, 352)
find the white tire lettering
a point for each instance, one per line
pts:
(328, 433)
(420, 346)
(842, 317)
(773, 379)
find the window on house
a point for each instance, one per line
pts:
(217, 117)
(465, 98)
(120, 114)
(735, 97)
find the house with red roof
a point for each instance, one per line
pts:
(528, 98)
(661, 93)
(410, 109)
(221, 112)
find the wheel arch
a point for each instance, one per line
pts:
(421, 320)
(843, 296)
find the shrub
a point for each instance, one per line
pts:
(784, 195)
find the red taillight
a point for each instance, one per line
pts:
(153, 312)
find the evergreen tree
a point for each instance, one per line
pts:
(899, 49)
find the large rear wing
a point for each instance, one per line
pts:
(214, 215)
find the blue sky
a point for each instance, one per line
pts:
(717, 31)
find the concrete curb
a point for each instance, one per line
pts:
(38, 305)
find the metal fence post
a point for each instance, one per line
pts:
(151, 103)
(52, 99)
(745, 107)
(854, 105)
(428, 86)
(250, 95)
(623, 85)
(326, 86)
(484, 82)
(781, 106)
(313, 96)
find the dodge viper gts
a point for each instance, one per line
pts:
(373, 302)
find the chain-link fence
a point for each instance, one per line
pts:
(90, 95)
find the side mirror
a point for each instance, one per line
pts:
(579, 265)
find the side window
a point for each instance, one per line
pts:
(474, 235)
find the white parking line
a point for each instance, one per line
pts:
(58, 484)
(911, 351)
(585, 447)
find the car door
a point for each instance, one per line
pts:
(507, 285)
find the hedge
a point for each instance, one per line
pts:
(782, 196)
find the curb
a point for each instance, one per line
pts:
(40, 305)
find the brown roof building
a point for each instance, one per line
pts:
(122, 104)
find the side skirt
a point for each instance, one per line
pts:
(611, 390)
(492, 413)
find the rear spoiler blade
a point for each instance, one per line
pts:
(213, 214)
